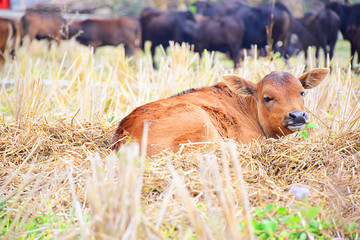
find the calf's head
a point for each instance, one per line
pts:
(279, 98)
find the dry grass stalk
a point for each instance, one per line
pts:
(244, 191)
(114, 193)
(203, 232)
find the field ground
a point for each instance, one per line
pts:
(59, 180)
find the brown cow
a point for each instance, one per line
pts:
(46, 25)
(101, 32)
(237, 109)
(7, 27)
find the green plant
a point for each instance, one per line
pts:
(5, 221)
(352, 231)
(278, 222)
(309, 125)
(33, 227)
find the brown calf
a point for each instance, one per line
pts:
(7, 27)
(235, 109)
(102, 32)
(47, 25)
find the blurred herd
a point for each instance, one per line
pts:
(230, 26)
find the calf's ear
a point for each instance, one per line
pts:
(314, 77)
(239, 85)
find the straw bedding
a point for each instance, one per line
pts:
(328, 166)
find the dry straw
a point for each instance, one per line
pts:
(58, 114)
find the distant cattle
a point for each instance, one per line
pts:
(112, 32)
(42, 25)
(237, 109)
(224, 34)
(8, 30)
(217, 9)
(350, 25)
(294, 47)
(265, 25)
(160, 27)
(318, 29)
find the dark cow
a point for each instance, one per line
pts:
(42, 25)
(112, 32)
(237, 109)
(224, 34)
(318, 29)
(350, 25)
(7, 27)
(160, 27)
(265, 25)
(217, 9)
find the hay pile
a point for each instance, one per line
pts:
(42, 150)
(38, 156)
(328, 167)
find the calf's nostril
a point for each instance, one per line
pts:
(292, 116)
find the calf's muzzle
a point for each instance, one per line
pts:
(298, 117)
(297, 120)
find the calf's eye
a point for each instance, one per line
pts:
(267, 99)
(302, 94)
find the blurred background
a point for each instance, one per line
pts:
(133, 7)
